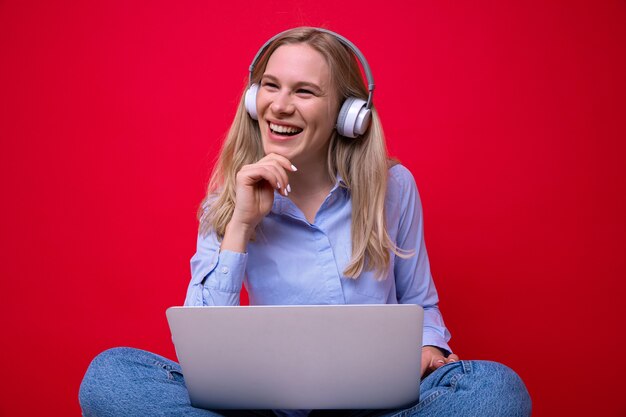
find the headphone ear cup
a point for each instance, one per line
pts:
(250, 100)
(354, 118)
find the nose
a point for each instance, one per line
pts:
(282, 103)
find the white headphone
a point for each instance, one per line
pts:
(355, 114)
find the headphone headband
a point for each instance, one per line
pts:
(344, 41)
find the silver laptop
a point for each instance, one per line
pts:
(299, 357)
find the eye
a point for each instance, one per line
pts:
(269, 85)
(305, 92)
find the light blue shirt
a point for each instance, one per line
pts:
(292, 261)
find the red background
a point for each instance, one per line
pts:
(511, 115)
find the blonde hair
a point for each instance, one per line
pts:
(362, 163)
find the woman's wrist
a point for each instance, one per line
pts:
(236, 237)
(441, 351)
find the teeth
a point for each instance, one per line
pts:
(284, 129)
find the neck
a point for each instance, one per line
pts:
(310, 180)
(309, 187)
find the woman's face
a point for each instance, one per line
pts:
(296, 104)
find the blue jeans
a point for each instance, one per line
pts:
(130, 382)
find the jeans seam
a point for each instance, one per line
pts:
(428, 400)
(467, 366)
(169, 369)
(454, 380)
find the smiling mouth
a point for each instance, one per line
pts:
(284, 130)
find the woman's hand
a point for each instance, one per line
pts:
(433, 358)
(254, 189)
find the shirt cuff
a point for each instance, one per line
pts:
(228, 272)
(433, 338)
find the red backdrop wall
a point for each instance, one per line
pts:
(511, 116)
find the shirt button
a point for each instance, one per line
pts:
(224, 270)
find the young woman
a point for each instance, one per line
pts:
(305, 207)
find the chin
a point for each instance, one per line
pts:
(277, 149)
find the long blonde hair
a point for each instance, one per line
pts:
(362, 163)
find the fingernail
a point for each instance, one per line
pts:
(452, 360)
(278, 185)
(440, 361)
(285, 193)
(288, 188)
(293, 168)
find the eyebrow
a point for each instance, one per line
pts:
(298, 84)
